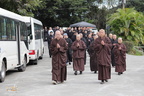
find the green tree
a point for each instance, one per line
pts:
(137, 4)
(22, 7)
(63, 12)
(128, 23)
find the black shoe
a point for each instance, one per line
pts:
(106, 80)
(75, 73)
(102, 82)
(95, 71)
(69, 63)
(119, 73)
(80, 72)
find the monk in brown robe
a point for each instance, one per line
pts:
(58, 48)
(93, 57)
(78, 48)
(120, 57)
(103, 48)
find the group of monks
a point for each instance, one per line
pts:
(104, 51)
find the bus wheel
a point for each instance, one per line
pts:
(23, 67)
(41, 57)
(3, 72)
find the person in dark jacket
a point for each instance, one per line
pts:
(114, 42)
(69, 51)
(73, 38)
(50, 38)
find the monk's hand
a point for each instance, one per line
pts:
(114, 44)
(120, 48)
(78, 45)
(102, 42)
(58, 46)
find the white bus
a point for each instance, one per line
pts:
(13, 43)
(36, 43)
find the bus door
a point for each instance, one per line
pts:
(18, 42)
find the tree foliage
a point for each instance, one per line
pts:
(60, 12)
(129, 24)
(66, 12)
(137, 4)
(63, 12)
(22, 7)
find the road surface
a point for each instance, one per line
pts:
(36, 81)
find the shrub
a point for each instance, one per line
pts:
(129, 45)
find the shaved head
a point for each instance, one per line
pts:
(58, 34)
(120, 40)
(110, 35)
(81, 35)
(114, 37)
(101, 32)
(78, 37)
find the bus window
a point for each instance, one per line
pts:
(37, 31)
(23, 30)
(8, 29)
(42, 31)
(1, 27)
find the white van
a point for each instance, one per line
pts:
(14, 51)
(36, 42)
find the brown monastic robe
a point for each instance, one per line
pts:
(78, 55)
(103, 58)
(93, 57)
(120, 58)
(59, 70)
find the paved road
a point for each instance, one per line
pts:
(36, 81)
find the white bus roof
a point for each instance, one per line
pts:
(27, 20)
(11, 15)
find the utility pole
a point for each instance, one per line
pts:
(123, 3)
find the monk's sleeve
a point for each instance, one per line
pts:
(91, 47)
(83, 46)
(64, 48)
(116, 50)
(108, 44)
(53, 48)
(73, 47)
(123, 50)
(98, 47)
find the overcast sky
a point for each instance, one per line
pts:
(105, 3)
